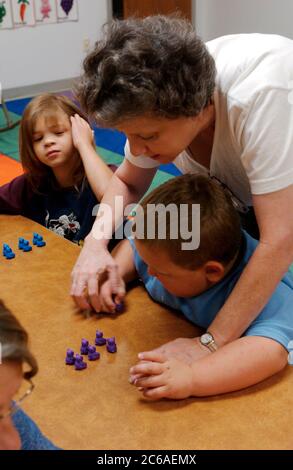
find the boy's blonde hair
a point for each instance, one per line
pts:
(45, 105)
(220, 229)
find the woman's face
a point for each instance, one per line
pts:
(159, 138)
(11, 378)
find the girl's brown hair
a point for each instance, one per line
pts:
(14, 342)
(45, 105)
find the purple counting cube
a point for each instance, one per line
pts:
(70, 359)
(99, 341)
(119, 307)
(84, 346)
(79, 363)
(93, 355)
(111, 345)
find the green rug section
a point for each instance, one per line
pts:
(116, 159)
(9, 138)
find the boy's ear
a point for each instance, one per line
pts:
(214, 271)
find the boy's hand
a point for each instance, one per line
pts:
(93, 262)
(187, 350)
(160, 377)
(108, 305)
(82, 134)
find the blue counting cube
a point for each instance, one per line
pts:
(27, 248)
(38, 240)
(7, 251)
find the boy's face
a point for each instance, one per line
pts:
(52, 140)
(177, 280)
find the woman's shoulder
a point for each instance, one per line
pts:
(248, 64)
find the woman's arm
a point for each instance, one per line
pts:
(267, 151)
(123, 255)
(127, 185)
(265, 269)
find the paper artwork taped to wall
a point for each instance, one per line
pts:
(46, 12)
(67, 10)
(5, 15)
(23, 13)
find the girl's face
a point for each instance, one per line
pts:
(10, 381)
(52, 140)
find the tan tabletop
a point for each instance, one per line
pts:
(98, 408)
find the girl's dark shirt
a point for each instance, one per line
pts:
(67, 212)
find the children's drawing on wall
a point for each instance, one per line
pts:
(46, 11)
(67, 10)
(5, 15)
(23, 13)
(20, 13)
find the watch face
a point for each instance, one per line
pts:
(206, 338)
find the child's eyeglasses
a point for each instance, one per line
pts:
(15, 405)
(237, 203)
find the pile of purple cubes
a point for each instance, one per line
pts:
(90, 351)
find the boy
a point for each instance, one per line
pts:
(197, 283)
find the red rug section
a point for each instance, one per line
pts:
(9, 169)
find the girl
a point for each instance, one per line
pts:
(55, 139)
(17, 430)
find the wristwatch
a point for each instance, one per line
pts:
(208, 341)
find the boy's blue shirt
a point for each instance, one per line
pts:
(275, 320)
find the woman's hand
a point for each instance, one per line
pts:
(188, 350)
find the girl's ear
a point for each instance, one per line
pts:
(214, 271)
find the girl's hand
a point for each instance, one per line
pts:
(82, 134)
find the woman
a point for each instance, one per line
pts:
(221, 108)
(17, 430)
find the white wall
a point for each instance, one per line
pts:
(48, 53)
(214, 18)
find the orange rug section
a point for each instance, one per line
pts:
(9, 169)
